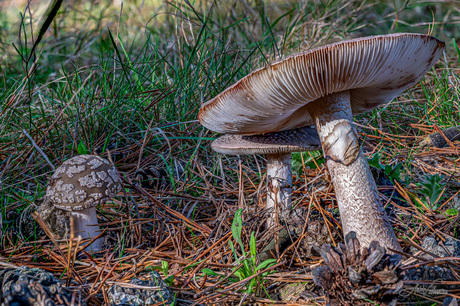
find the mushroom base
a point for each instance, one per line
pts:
(86, 226)
(279, 178)
(357, 195)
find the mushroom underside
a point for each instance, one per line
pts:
(277, 148)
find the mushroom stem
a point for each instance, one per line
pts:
(279, 178)
(82, 220)
(356, 192)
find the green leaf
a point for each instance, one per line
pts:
(251, 285)
(296, 161)
(452, 211)
(246, 269)
(81, 148)
(237, 227)
(266, 263)
(252, 245)
(393, 172)
(164, 267)
(209, 272)
(233, 250)
(431, 188)
(239, 275)
(375, 161)
(169, 280)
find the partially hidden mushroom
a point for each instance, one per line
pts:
(77, 186)
(325, 87)
(277, 148)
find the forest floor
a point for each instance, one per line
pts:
(127, 85)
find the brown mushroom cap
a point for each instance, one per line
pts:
(297, 140)
(374, 69)
(83, 181)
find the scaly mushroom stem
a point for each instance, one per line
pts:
(82, 220)
(279, 177)
(357, 196)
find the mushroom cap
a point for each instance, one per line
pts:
(373, 69)
(297, 140)
(83, 181)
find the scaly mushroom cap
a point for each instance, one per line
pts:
(374, 69)
(297, 140)
(83, 181)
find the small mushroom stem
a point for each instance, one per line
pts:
(279, 177)
(85, 226)
(357, 195)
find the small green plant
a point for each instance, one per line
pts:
(82, 149)
(452, 212)
(210, 272)
(309, 158)
(164, 268)
(392, 172)
(248, 261)
(169, 280)
(431, 189)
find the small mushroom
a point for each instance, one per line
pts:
(80, 184)
(277, 148)
(326, 87)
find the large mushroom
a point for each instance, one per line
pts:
(78, 185)
(277, 148)
(325, 87)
